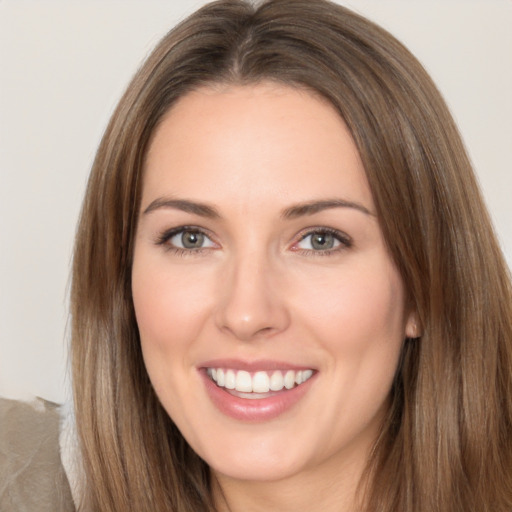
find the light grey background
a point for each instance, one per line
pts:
(63, 66)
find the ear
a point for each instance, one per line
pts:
(412, 326)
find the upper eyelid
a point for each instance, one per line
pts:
(319, 229)
(344, 243)
(167, 234)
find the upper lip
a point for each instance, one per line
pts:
(253, 366)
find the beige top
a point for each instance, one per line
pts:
(32, 478)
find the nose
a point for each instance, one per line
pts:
(252, 300)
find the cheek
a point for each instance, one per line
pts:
(357, 319)
(169, 304)
(357, 312)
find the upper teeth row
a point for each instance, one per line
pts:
(259, 382)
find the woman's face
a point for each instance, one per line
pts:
(259, 263)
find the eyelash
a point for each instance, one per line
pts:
(345, 242)
(164, 238)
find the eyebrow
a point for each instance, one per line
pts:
(292, 212)
(312, 207)
(201, 209)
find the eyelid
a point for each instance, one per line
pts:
(345, 240)
(164, 237)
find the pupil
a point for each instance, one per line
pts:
(322, 241)
(192, 240)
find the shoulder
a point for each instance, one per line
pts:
(31, 470)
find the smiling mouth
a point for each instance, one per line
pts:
(257, 384)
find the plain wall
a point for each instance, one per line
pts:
(63, 66)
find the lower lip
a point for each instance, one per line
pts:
(254, 409)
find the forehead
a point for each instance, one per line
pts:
(267, 138)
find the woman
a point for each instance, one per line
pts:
(286, 288)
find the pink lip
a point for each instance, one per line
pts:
(252, 366)
(253, 410)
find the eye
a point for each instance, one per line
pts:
(323, 240)
(190, 240)
(186, 239)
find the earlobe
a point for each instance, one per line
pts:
(412, 328)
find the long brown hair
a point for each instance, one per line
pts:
(446, 444)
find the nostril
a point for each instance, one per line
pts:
(248, 332)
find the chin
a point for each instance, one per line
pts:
(256, 472)
(256, 459)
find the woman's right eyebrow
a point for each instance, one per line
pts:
(185, 205)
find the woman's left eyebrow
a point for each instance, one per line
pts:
(312, 207)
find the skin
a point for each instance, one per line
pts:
(258, 289)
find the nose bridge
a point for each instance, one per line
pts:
(251, 304)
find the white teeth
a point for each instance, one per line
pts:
(230, 379)
(243, 382)
(276, 381)
(259, 382)
(289, 379)
(306, 374)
